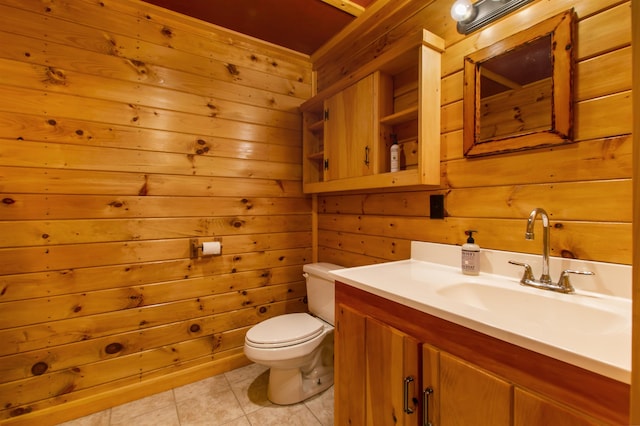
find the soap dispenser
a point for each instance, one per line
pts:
(470, 261)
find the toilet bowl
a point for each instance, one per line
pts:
(298, 347)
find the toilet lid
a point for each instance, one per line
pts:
(284, 330)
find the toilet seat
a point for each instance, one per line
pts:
(284, 330)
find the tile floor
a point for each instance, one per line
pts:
(235, 398)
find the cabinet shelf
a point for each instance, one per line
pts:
(316, 156)
(400, 116)
(316, 126)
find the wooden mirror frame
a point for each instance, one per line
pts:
(561, 30)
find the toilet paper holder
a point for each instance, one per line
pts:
(196, 247)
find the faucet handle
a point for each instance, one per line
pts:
(528, 273)
(564, 281)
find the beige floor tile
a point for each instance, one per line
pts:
(101, 418)
(242, 421)
(212, 407)
(209, 385)
(126, 412)
(287, 415)
(165, 416)
(235, 398)
(248, 372)
(251, 391)
(321, 406)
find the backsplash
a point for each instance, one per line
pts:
(610, 278)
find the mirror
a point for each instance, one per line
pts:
(518, 92)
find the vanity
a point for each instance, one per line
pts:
(419, 343)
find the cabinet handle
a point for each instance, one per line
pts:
(425, 406)
(366, 155)
(407, 409)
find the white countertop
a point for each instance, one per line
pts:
(589, 329)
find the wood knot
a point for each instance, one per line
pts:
(55, 76)
(166, 31)
(20, 411)
(39, 368)
(233, 70)
(8, 201)
(263, 309)
(194, 328)
(237, 223)
(113, 348)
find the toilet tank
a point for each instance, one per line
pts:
(321, 290)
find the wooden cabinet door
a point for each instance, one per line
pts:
(349, 367)
(430, 385)
(533, 410)
(349, 131)
(471, 396)
(393, 381)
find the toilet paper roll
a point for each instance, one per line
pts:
(211, 248)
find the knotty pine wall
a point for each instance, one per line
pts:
(125, 131)
(585, 186)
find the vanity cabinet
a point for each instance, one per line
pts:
(468, 395)
(532, 409)
(379, 376)
(459, 376)
(349, 127)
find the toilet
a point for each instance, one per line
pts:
(298, 347)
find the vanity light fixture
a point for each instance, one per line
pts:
(472, 16)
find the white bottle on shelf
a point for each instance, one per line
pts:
(395, 154)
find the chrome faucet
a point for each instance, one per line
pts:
(544, 278)
(563, 285)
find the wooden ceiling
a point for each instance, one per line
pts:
(300, 25)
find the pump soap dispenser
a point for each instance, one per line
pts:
(470, 255)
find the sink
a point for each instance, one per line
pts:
(576, 313)
(590, 328)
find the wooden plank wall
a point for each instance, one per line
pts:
(125, 131)
(585, 186)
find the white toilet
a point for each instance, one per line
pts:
(298, 347)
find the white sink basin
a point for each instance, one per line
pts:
(576, 313)
(589, 329)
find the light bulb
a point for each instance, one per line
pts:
(462, 10)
